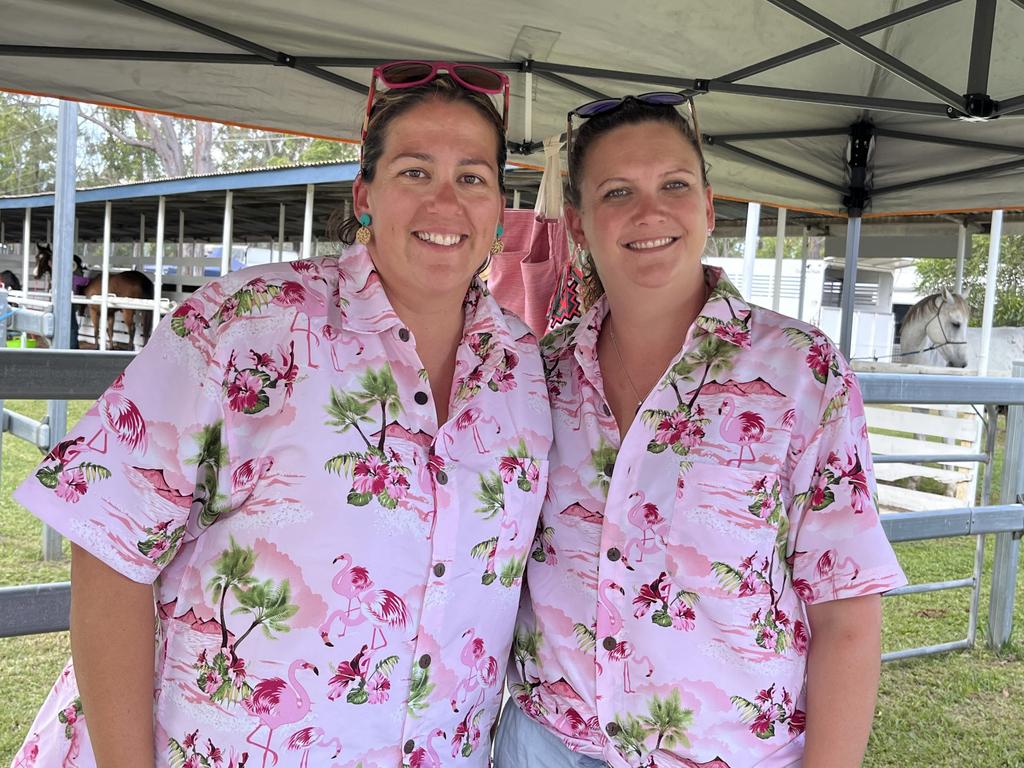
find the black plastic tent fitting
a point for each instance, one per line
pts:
(857, 197)
(978, 105)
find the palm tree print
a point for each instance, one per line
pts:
(376, 473)
(666, 721)
(267, 603)
(420, 689)
(603, 462)
(210, 459)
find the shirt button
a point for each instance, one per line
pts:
(441, 477)
(609, 468)
(614, 554)
(410, 745)
(424, 661)
(605, 409)
(609, 643)
(439, 570)
(421, 398)
(403, 334)
(613, 729)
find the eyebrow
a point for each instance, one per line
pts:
(622, 180)
(427, 158)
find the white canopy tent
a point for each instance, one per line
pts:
(873, 107)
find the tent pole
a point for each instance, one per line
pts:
(26, 246)
(158, 261)
(280, 233)
(988, 313)
(181, 250)
(780, 252)
(750, 249)
(101, 332)
(61, 270)
(804, 245)
(961, 255)
(229, 221)
(528, 107)
(848, 300)
(307, 224)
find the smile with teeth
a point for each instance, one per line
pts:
(643, 245)
(439, 239)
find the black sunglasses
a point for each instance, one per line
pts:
(654, 98)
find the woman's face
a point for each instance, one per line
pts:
(434, 198)
(644, 213)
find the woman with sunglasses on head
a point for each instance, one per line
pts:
(328, 472)
(707, 592)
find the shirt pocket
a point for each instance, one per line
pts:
(728, 530)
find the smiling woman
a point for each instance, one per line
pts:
(306, 460)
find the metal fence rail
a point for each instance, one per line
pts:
(73, 375)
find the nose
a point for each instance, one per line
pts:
(444, 197)
(649, 210)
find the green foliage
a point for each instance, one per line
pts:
(935, 274)
(28, 144)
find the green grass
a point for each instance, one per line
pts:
(961, 710)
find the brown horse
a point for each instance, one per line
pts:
(128, 285)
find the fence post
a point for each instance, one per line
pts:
(1007, 552)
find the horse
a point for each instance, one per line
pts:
(934, 331)
(9, 280)
(130, 284)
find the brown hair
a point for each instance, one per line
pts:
(630, 112)
(393, 103)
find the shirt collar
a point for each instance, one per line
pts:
(366, 308)
(725, 314)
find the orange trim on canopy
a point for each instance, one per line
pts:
(183, 116)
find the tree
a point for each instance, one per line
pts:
(936, 274)
(28, 145)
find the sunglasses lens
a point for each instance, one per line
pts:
(479, 77)
(405, 72)
(666, 98)
(597, 107)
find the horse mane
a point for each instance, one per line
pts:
(928, 303)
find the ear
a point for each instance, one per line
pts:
(946, 295)
(360, 197)
(574, 223)
(709, 199)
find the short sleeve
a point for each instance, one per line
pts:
(141, 473)
(837, 547)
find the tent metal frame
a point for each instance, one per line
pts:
(976, 104)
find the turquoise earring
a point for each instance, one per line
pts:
(498, 246)
(363, 234)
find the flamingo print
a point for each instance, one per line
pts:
(609, 620)
(829, 568)
(278, 703)
(645, 516)
(307, 738)
(482, 669)
(122, 417)
(472, 418)
(427, 757)
(740, 430)
(28, 754)
(623, 652)
(381, 607)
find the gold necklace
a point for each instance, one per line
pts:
(629, 379)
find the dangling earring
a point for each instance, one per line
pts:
(363, 234)
(498, 246)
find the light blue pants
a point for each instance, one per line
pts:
(522, 743)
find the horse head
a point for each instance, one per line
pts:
(44, 258)
(948, 330)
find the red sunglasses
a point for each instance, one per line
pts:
(409, 74)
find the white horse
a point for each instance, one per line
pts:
(934, 331)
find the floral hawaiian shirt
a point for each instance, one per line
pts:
(336, 575)
(664, 620)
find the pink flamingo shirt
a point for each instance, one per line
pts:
(664, 620)
(336, 574)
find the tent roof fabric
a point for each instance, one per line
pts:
(303, 66)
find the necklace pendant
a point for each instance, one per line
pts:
(639, 405)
